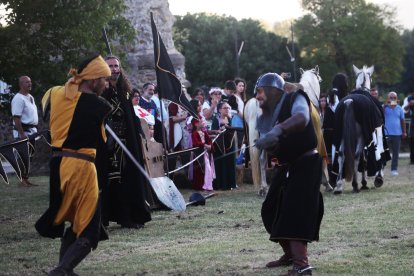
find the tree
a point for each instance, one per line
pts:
(336, 34)
(44, 38)
(407, 76)
(210, 43)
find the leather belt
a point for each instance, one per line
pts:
(305, 154)
(73, 155)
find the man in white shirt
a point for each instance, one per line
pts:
(25, 116)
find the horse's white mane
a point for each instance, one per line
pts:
(310, 80)
(363, 76)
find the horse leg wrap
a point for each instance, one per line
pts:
(338, 188)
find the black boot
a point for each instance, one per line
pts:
(67, 240)
(73, 256)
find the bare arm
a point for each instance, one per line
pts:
(404, 130)
(19, 127)
(208, 112)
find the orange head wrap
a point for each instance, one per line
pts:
(95, 69)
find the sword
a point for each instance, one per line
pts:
(105, 38)
(125, 149)
(196, 158)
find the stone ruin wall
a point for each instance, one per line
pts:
(140, 52)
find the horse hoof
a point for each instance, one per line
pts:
(364, 187)
(378, 182)
(262, 192)
(355, 190)
(328, 188)
(337, 192)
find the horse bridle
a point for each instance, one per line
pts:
(317, 77)
(363, 87)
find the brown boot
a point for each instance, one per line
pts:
(300, 259)
(26, 183)
(286, 258)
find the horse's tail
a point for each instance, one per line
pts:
(349, 133)
(251, 112)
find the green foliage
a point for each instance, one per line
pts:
(407, 76)
(43, 39)
(210, 43)
(336, 34)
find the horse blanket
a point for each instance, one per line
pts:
(366, 114)
(369, 115)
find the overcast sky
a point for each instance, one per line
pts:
(274, 10)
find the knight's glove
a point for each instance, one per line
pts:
(269, 140)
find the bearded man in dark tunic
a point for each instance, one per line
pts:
(125, 192)
(293, 208)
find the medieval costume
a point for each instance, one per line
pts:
(286, 130)
(224, 161)
(149, 106)
(202, 177)
(179, 135)
(76, 126)
(126, 193)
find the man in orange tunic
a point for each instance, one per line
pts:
(76, 125)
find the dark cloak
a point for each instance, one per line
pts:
(129, 200)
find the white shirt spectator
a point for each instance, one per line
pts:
(24, 107)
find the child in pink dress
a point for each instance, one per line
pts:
(202, 179)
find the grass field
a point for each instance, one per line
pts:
(370, 233)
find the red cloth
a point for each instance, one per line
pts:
(198, 171)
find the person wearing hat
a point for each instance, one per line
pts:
(293, 208)
(76, 125)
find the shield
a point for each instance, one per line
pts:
(168, 193)
(17, 154)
